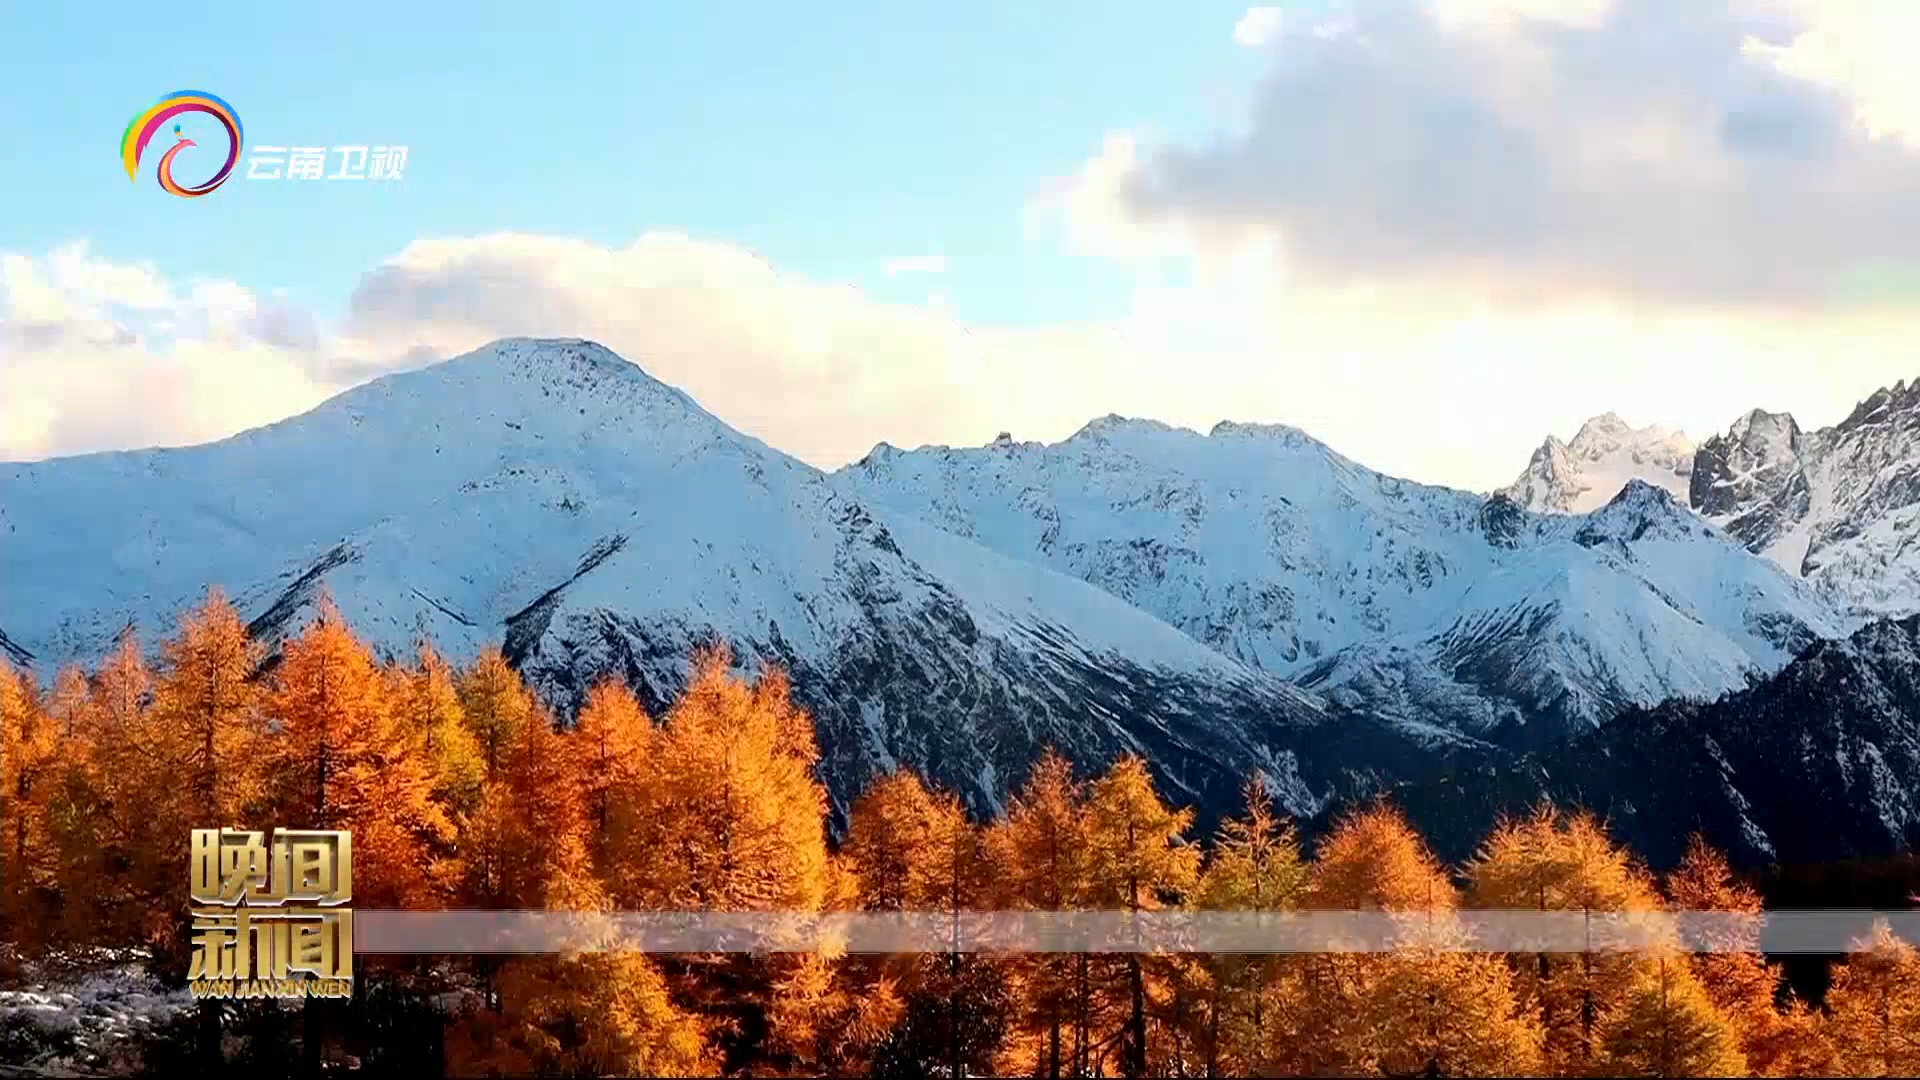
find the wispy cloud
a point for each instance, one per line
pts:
(915, 264)
(1257, 26)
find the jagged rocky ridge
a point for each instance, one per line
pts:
(1839, 506)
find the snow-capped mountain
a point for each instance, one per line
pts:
(1839, 506)
(1584, 474)
(551, 496)
(1429, 605)
(1218, 603)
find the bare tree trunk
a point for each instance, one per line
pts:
(1136, 1060)
(1213, 1022)
(953, 967)
(1082, 1052)
(1053, 1039)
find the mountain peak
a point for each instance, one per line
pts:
(1235, 429)
(1638, 493)
(1114, 423)
(1640, 509)
(557, 354)
(1833, 505)
(1752, 480)
(586, 376)
(1606, 425)
(1760, 422)
(1583, 474)
(581, 347)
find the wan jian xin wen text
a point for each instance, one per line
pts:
(272, 919)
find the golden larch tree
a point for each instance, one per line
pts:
(1423, 1008)
(525, 846)
(1139, 861)
(1374, 861)
(1040, 854)
(496, 706)
(132, 874)
(74, 821)
(915, 851)
(206, 709)
(1777, 1039)
(611, 740)
(1433, 1011)
(1254, 867)
(427, 705)
(28, 757)
(532, 824)
(525, 843)
(599, 1014)
(1873, 1007)
(734, 819)
(731, 818)
(340, 760)
(1666, 1025)
(1550, 860)
(894, 833)
(823, 1019)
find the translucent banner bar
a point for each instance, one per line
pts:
(533, 932)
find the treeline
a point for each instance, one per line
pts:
(462, 791)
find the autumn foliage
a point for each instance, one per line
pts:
(462, 790)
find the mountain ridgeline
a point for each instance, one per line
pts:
(1245, 599)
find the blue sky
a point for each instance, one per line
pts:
(828, 138)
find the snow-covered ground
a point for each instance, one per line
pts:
(58, 1023)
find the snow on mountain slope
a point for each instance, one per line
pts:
(1839, 506)
(1634, 604)
(1227, 537)
(550, 496)
(1582, 475)
(1425, 604)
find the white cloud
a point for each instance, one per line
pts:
(1258, 26)
(1510, 14)
(71, 284)
(1863, 50)
(915, 264)
(1645, 148)
(100, 355)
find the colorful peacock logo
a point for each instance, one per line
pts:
(142, 129)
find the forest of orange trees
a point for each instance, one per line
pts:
(461, 791)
